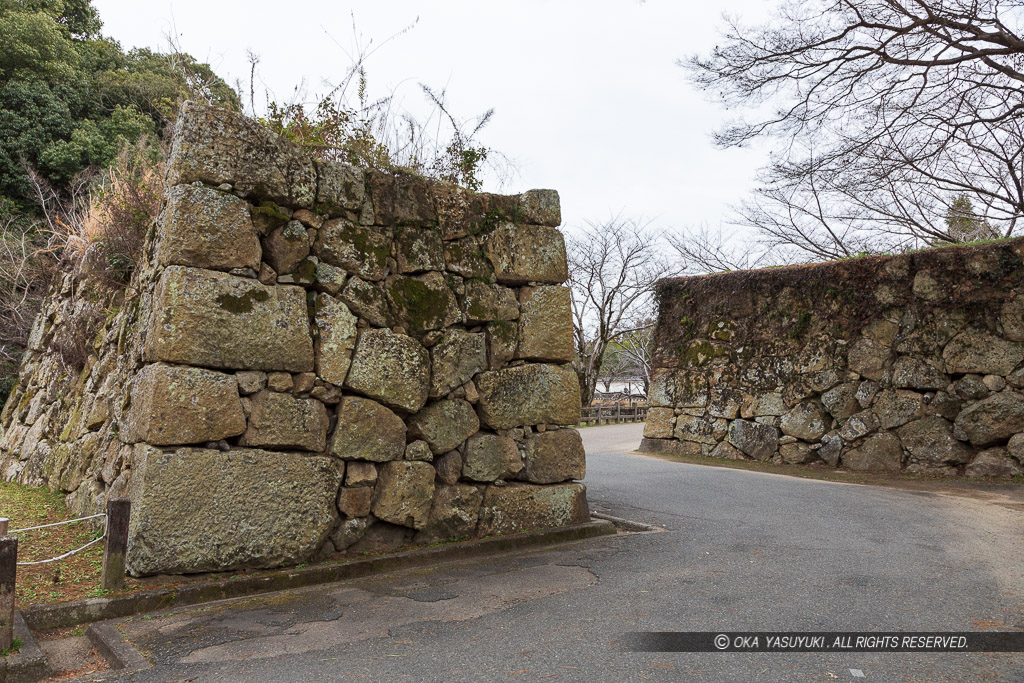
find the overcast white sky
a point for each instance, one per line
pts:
(588, 99)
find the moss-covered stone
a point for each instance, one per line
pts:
(358, 249)
(423, 303)
(391, 368)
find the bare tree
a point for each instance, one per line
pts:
(613, 266)
(887, 111)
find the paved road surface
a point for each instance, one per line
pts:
(743, 551)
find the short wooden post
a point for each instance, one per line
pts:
(116, 543)
(8, 571)
(618, 413)
(4, 521)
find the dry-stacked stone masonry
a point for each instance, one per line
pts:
(315, 358)
(906, 363)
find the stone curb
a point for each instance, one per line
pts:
(117, 652)
(43, 617)
(29, 663)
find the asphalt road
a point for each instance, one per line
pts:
(743, 551)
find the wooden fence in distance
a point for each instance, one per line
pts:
(608, 415)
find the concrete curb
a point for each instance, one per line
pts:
(118, 653)
(44, 617)
(29, 664)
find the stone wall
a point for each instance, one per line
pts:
(904, 363)
(314, 358)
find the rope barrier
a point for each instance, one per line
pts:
(69, 553)
(46, 526)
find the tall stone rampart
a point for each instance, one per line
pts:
(313, 358)
(908, 363)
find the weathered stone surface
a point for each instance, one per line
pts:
(931, 440)
(303, 382)
(449, 467)
(250, 381)
(328, 279)
(945, 405)
(678, 389)
(381, 537)
(554, 457)
(868, 358)
(419, 450)
(727, 451)
(696, 429)
(358, 249)
(993, 419)
(524, 507)
(340, 186)
(207, 229)
(422, 303)
(455, 360)
(418, 250)
(993, 463)
(841, 401)
(806, 421)
(358, 473)
(336, 339)
(367, 301)
(797, 453)
(404, 493)
(502, 339)
(367, 431)
(349, 532)
(895, 408)
(280, 381)
(466, 258)
(866, 393)
(217, 146)
(914, 373)
(444, 424)
(880, 452)
(545, 324)
(972, 388)
(391, 368)
(489, 457)
(859, 425)
(541, 207)
(484, 302)
(527, 253)
(1015, 448)
(285, 247)
(528, 395)
(197, 510)
(400, 198)
(983, 353)
(831, 448)
(764, 405)
(453, 515)
(756, 440)
(660, 423)
(354, 501)
(286, 422)
(1011, 315)
(994, 382)
(172, 405)
(206, 318)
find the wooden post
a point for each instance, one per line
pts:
(618, 413)
(116, 543)
(8, 571)
(4, 521)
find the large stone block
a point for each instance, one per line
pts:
(678, 389)
(806, 421)
(404, 493)
(444, 424)
(423, 302)
(217, 146)
(983, 353)
(391, 368)
(485, 302)
(206, 318)
(527, 253)
(489, 457)
(367, 300)
(759, 441)
(367, 431)
(453, 514)
(553, 457)
(523, 507)
(465, 257)
(401, 199)
(545, 324)
(418, 250)
(286, 422)
(177, 405)
(197, 510)
(502, 339)
(336, 339)
(341, 187)
(528, 395)
(993, 419)
(879, 452)
(660, 423)
(286, 247)
(931, 440)
(357, 249)
(914, 373)
(455, 360)
(541, 207)
(205, 228)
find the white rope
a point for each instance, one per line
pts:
(46, 526)
(61, 557)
